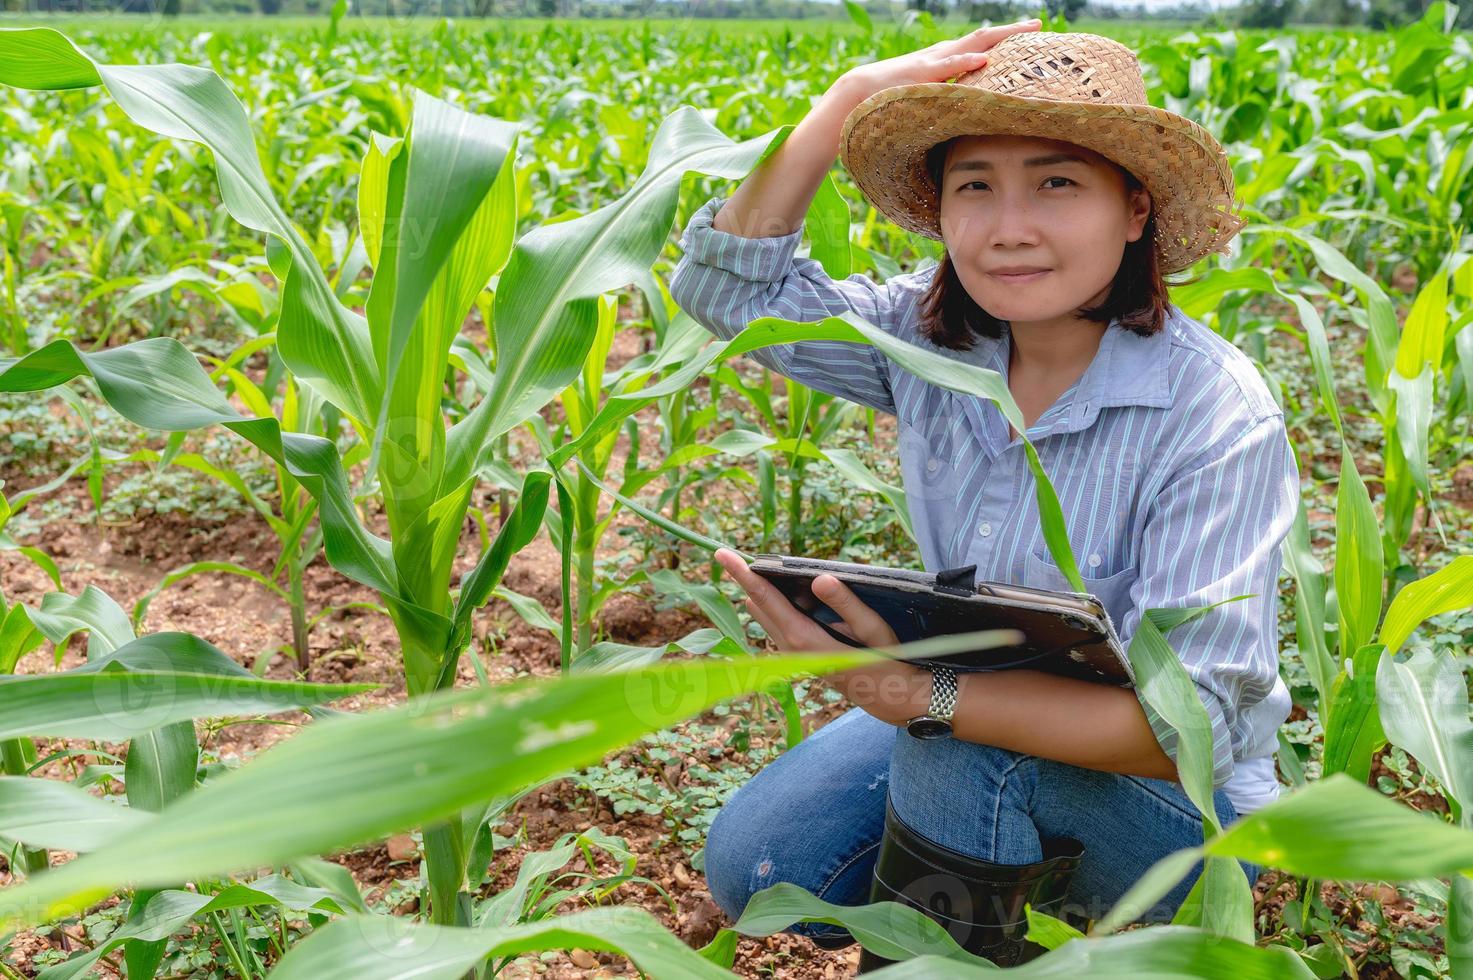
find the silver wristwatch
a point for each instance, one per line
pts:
(936, 722)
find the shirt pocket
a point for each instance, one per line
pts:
(934, 446)
(1112, 590)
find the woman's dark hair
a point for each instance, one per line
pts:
(951, 318)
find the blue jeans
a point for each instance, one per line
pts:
(814, 816)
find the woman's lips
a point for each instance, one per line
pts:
(1019, 277)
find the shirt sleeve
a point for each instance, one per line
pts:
(725, 281)
(1216, 530)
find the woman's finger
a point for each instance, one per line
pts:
(736, 566)
(984, 38)
(776, 614)
(755, 611)
(868, 626)
(960, 64)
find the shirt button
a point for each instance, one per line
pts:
(931, 464)
(1094, 561)
(984, 529)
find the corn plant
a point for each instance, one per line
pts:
(798, 435)
(1400, 371)
(681, 420)
(299, 539)
(408, 389)
(578, 532)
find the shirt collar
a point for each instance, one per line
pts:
(1127, 369)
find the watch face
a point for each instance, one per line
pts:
(927, 727)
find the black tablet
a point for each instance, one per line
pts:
(1066, 633)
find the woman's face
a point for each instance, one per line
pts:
(1036, 228)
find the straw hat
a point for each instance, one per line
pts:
(1078, 88)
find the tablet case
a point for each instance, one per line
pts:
(1067, 633)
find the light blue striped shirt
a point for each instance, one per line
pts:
(1169, 455)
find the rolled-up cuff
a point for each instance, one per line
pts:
(756, 259)
(1168, 737)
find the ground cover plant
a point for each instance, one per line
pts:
(401, 321)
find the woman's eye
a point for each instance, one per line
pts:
(982, 185)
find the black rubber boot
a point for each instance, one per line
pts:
(980, 903)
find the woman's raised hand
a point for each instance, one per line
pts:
(777, 194)
(936, 63)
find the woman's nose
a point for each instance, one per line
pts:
(1014, 222)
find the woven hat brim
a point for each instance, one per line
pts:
(884, 141)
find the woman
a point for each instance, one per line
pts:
(1062, 198)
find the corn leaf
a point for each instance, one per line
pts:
(374, 948)
(52, 814)
(1309, 607)
(827, 225)
(1381, 341)
(1339, 828)
(546, 309)
(170, 912)
(94, 611)
(1353, 726)
(154, 680)
(1448, 589)
(1332, 828)
(323, 789)
(1358, 559)
(379, 948)
(444, 232)
(1424, 710)
(158, 384)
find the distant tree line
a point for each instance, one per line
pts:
(1376, 14)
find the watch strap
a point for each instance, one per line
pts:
(943, 692)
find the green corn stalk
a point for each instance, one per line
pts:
(580, 530)
(436, 220)
(811, 419)
(801, 401)
(583, 403)
(759, 397)
(681, 422)
(299, 540)
(12, 222)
